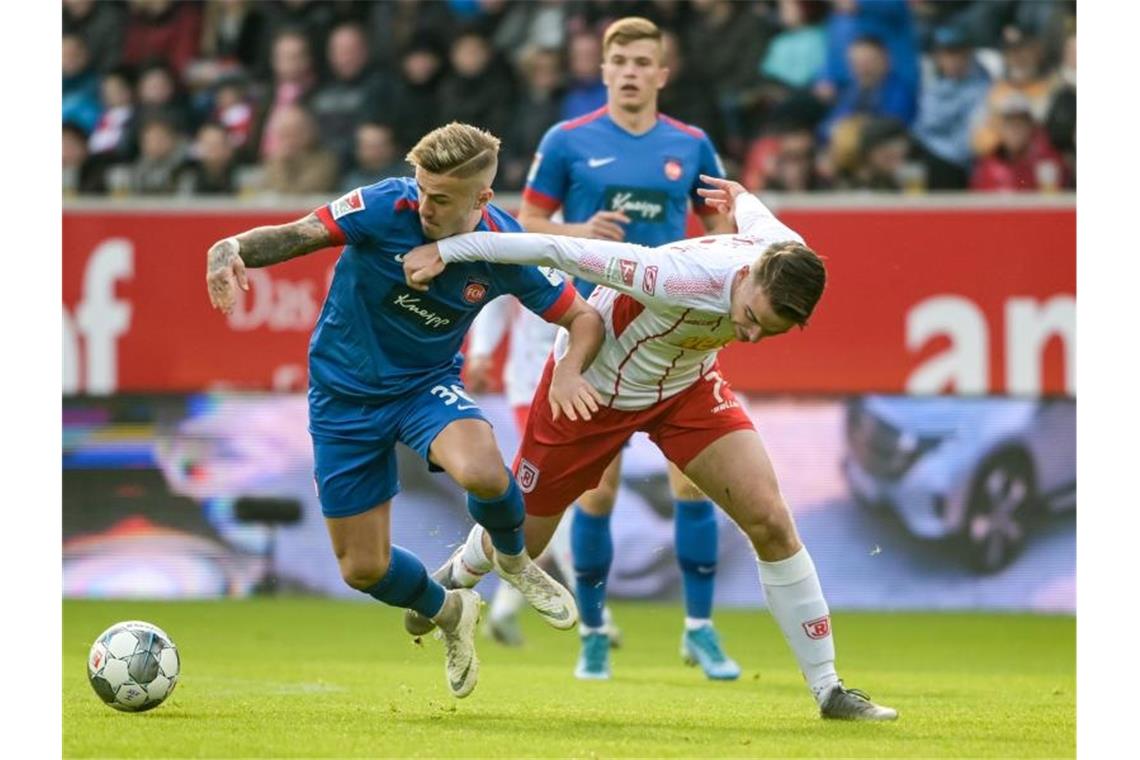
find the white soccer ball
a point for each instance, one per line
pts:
(133, 666)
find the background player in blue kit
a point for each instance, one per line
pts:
(384, 367)
(627, 172)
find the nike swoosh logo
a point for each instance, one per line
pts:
(594, 163)
(399, 258)
(465, 408)
(457, 683)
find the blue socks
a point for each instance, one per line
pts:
(502, 517)
(696, 538)
(406, 584)
(593, 550)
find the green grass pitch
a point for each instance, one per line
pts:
(319, 678)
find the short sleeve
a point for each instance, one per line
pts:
(548, 177)
(543, 290)
(364, 213)
(710, 164)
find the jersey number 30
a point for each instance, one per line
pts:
(454, 394)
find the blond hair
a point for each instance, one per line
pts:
(630, 29)
(457, 150)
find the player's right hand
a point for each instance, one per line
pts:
(225, 273)
(605, 225)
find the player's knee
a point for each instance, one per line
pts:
(485, 477)
(770, 529)
(363, 572)
(598, 501)
(684, 489)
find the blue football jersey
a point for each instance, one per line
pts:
(591, 164)
(377, 338)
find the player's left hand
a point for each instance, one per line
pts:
(571, 395)
(422, 265)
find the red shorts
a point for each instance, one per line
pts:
(559, 461)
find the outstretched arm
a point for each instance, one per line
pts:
(593, 260)
(227, 259)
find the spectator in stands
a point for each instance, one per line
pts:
(889, 21)
(726, 42)
(535, 110)
(395, 27)
(531, 26)
(234, 111)
(101, 25)
(882, 153)
(80, 176)
(312, 19)
(159, 96)
(1061, 119)
(377, 157)
(211, 169)
(1024, 159)
(479, 89)
(297, 163)
(233, 34)
(80, 84)
(163, 30)
(585, 91)
(414, 108)
(784, 162)
(351, 90)
(685, 96)
(113, 138)
(874, 89)
(951, 99)
(161, 154)
(796, 56)
(1023, 80)
(293, 79)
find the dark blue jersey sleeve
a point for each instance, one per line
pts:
(366, 213)
(543, 290)
(549, 174)
(710, 164)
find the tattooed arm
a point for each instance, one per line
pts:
(226, 261)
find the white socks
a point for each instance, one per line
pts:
(472, 563)
(795, 599)
(692, 624)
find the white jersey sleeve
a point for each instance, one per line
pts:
(666, 277)
(490, 326)
(755, 220)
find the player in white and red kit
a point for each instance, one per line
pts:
(667, 313)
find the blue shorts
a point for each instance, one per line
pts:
(354, 444)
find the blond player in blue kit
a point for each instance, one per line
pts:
(384, 368)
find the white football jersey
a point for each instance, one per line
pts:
(532, 338)
(666, 309)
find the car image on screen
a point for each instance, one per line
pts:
(974, 470)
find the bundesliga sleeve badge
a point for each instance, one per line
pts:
(348, 203)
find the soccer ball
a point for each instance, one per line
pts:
(133, 666)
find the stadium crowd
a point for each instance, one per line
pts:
(168, 97)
